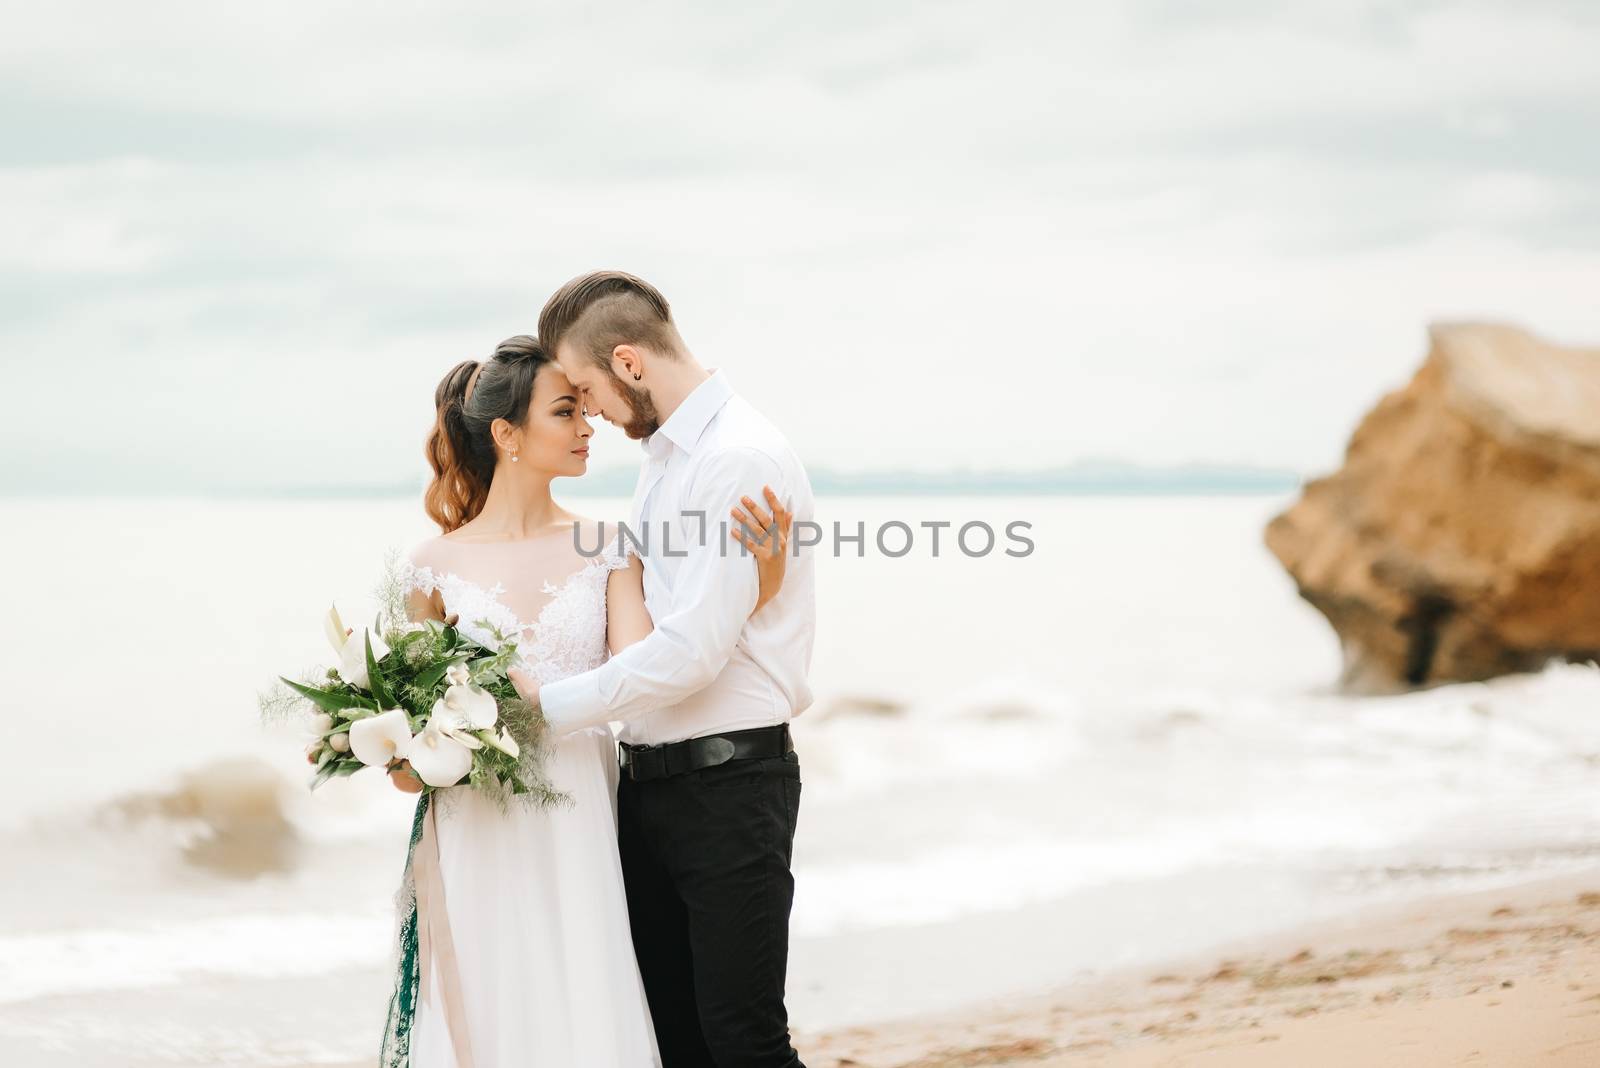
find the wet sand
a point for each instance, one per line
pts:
(1501, 978)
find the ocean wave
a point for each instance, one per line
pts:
(229, 817)
(259, 945)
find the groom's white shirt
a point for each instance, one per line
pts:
(709, 666)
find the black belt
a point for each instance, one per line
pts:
(642, 763)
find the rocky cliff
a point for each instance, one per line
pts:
(1461, 538)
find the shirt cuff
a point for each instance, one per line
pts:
(573, 703)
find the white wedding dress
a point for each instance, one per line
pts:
(533, 898)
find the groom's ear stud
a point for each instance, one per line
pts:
(637, 377)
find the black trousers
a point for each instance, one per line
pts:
(705, 856)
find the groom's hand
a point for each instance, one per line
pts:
(526, 685)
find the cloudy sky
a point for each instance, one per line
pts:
(244, 241)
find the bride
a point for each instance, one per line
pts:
(520, 919)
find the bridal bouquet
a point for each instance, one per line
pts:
(423, 692)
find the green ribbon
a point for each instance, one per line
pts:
(396, 1051)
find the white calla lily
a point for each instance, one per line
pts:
(333, 627)
(503, 742)
(439, 759)
(353, 657)
(458, 675)
(379, 739)
(467, 739)
(468, 708)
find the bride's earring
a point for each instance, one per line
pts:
(513, 455)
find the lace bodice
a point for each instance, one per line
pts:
(568, 635)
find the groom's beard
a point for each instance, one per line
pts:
(642, 418)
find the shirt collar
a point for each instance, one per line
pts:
(685, 425)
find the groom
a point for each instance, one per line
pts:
(710, 782)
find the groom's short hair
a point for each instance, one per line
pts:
(600, 310)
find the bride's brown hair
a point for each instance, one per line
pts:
(468, 400)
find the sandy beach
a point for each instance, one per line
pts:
(1501, 978)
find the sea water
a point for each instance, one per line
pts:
(1129, 728)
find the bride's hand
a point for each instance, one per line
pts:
(526, 685)
(404, 779)
(769, 547)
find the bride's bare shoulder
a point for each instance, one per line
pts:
(428, 552)
(449, 542)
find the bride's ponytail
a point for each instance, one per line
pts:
(460, 480)
(459, 447)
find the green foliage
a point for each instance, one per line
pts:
(380, 692)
